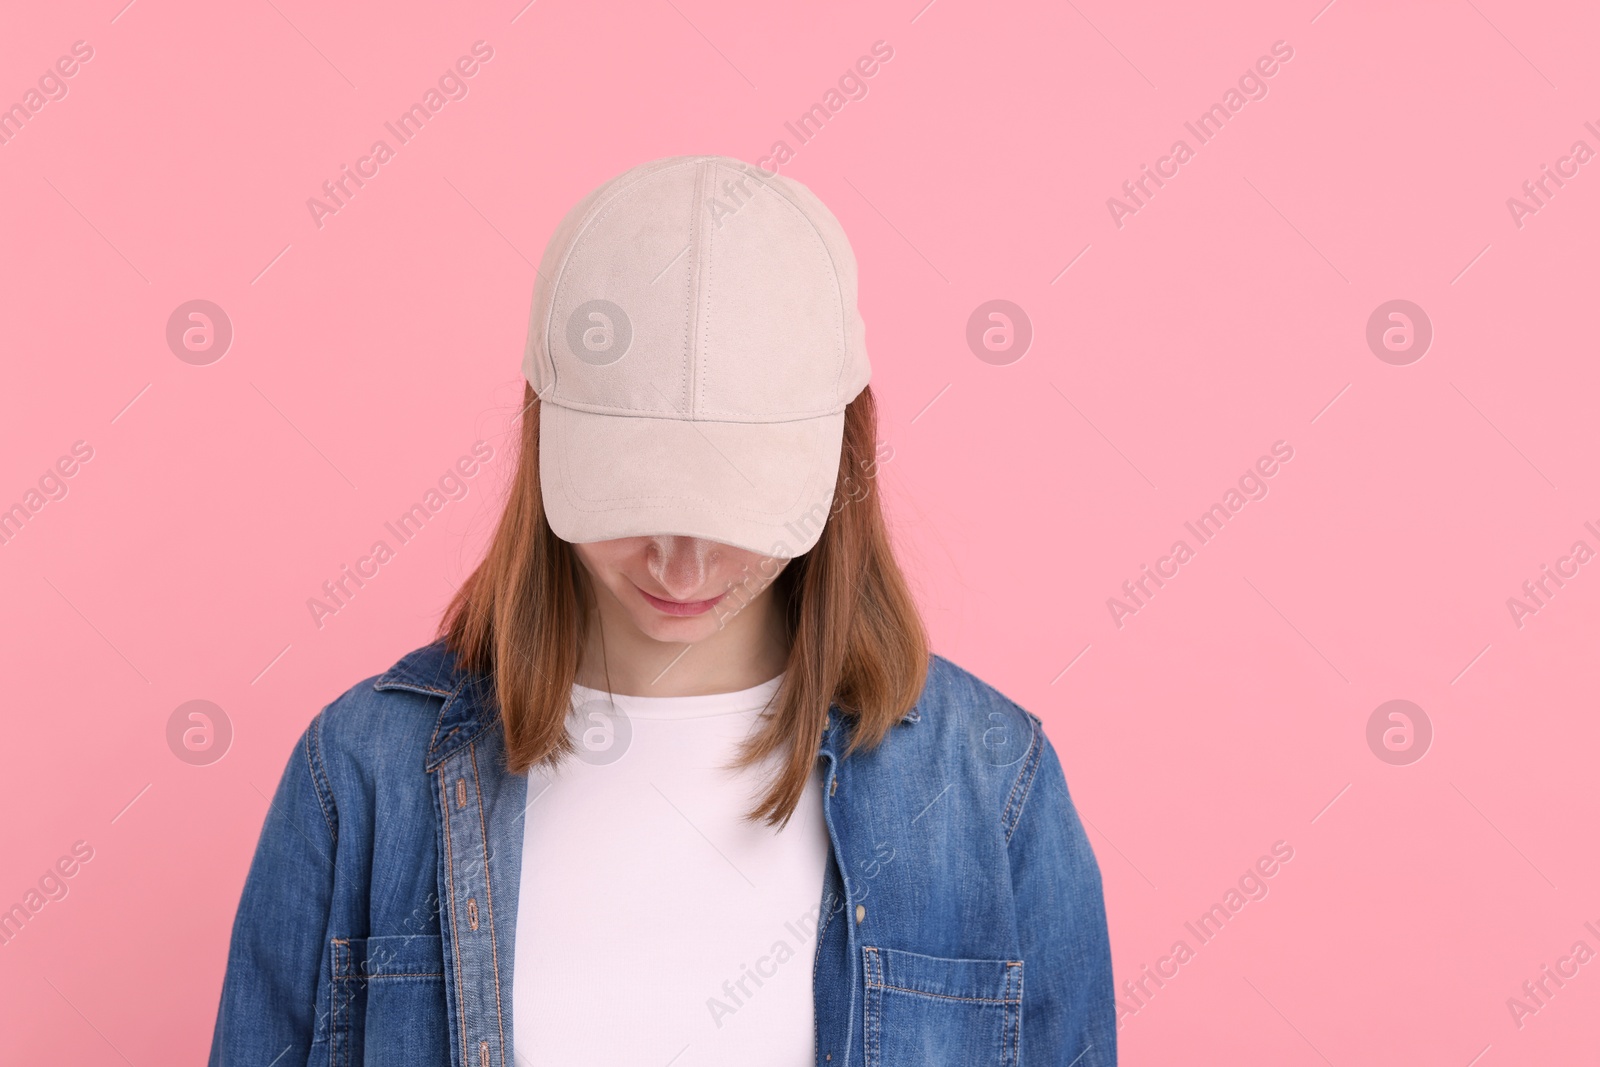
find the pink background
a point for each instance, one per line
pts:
(1228, 714)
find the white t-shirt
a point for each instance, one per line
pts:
(655, 925)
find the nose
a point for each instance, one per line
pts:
(680, 564)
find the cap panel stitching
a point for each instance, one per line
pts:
(685, 403)
(737, 418)
(703, 340)
(841, 340)
(601, 210)
(838, 276)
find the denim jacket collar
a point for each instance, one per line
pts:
(467, 710)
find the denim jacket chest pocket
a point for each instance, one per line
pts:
(932, 1010)
(391, 986)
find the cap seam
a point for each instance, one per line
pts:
(604, 207)
(691, 278)
(842, 338)
(844, 326)
(778, 418)
(703, 334)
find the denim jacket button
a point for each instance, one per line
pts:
(861, 912)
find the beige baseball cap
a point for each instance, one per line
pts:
(694, 340)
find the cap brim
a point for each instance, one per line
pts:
(765, 487)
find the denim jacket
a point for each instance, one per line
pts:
(961, 922)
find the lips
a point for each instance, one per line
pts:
(681, 607)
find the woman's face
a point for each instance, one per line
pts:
(674, 589)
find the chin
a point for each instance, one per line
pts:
(676, 631)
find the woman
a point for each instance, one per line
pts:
(679, 782)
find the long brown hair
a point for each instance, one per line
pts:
(855, 638)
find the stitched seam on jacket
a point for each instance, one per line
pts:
(386, 683)
(336, 1004)
(871, 1021)
(319, 781)
(943, 996)
(488, 894)
(875, 980)
(455, 939)
(1012, 817)
(1016, 1021)
(383, 684)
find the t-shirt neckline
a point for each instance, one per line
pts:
(753, 699)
